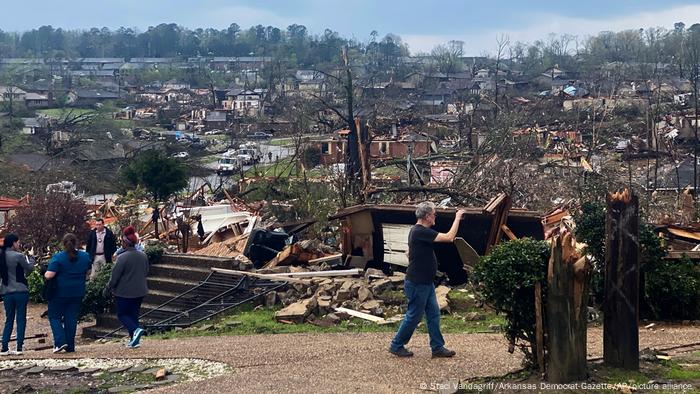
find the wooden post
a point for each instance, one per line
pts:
(539, 327)
(621, 305)
(568, 276)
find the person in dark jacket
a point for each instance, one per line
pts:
(101, 245)
(128, 285)
(14, 267)
(70, 268)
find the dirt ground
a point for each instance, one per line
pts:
(345, 362)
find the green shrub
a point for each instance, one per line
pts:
(94, 302)
(154, 252)
(35, 282)
(672, 289)
(311, 157)
(590, 229)
(507, 278)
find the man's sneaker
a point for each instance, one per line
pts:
(401, 352)
(443, 353)
(59, 349)
(17, 352)
(5, 352)
(137, 337)
(130, 346)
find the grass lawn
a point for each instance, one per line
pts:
(280, 142)
(247, 320)
(61, 112)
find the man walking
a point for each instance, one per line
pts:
(419, 287)
(101, 245)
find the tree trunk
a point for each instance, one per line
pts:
(621, 305)
(567, 311)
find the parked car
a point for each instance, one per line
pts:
(181, 155)
(259, 135)
(213, 132)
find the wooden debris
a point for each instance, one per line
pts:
(361, 315)
(316, 274)
(498, 207)
(277, 277)
(326, 259)
(160, 374)
(467, 254)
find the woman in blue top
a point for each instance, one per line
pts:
(70, 268)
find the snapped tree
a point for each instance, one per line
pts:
(161, 176)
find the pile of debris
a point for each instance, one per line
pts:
(327, 297)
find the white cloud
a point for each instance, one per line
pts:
(244, 16)
(477, 43)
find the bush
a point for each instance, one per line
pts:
(154, 252)
(590, 229)
(311, 157)
(507, 277)
(35, 282)
(672, 289)
(93, 302)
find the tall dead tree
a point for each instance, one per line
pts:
(621, 305)
(568, 278)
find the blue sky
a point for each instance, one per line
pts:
(422, 24)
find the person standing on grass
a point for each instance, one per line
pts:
(70, 268)
(101, 245)
(14, 267)
(418, 285)
(128, 283)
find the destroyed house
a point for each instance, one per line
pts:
(377, 235)
(381, 147)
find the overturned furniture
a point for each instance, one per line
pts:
(377, 235)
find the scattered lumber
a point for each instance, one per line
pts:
(318, 274)
(326, 259)
(361, 315)
(498, 208)
(263, 276)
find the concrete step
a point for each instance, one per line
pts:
(195, 274)
(95, 332)
(159, 296)
(190, 260)
(169, 284)
(107, 320)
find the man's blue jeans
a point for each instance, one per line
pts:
(15, 307)
(63, 317)
(421, 299)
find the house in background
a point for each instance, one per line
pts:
(216, 120)
(36, 100)
(244, 102)
(88, 97)
(12, 93)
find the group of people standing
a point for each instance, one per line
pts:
(66, 275)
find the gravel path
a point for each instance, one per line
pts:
(346, 362)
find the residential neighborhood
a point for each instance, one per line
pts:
(288, 209)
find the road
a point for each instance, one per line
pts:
(277, 151)
(347, 362)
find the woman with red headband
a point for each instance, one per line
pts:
(128, 284)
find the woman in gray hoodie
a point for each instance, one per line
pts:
(14, 267)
